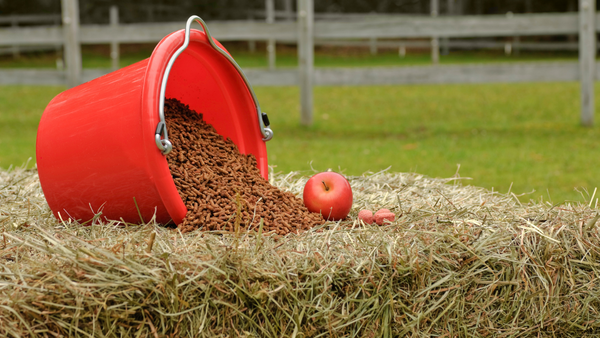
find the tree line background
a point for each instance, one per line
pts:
(96, 11)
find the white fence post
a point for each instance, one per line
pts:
(515, 44)
(528, 6)
(15, 49)
(479, 7)
(114, 45)
(373, 46)
(446, 41)
(306, 59)
(270, 8)
(587, 59)
(288, 10)
(70, 17)
(435, 42)
(251, 43)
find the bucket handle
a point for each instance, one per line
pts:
(163, 143)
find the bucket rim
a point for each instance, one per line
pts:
(151, 88)
(157, 162)
(161, 135)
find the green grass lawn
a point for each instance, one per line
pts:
(97, 56)
(527, 135)
(524, 135)
(21, 108)
(344, 57)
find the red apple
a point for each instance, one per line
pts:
(330, 194)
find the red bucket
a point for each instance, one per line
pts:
(100, 146)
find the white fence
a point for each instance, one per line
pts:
(17, 20)
(305, 30)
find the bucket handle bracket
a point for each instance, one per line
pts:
(163, 143)
(161, 136)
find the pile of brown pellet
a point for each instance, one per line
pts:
(221, 187)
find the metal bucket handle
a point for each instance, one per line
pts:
(163, 143)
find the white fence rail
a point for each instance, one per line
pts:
(477, 73)
(305, 30)
(367, 27)
(16, 20)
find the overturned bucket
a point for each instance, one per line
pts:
(101, 146)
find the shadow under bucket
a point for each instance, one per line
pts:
(100, 145)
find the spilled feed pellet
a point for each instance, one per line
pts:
(223, 188)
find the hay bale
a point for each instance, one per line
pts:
(457, 261)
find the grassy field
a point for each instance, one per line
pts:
(361, 57)
(522, 135)
(21, 108)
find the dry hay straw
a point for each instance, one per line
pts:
(458, 261)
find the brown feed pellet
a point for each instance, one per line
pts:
(220, 186)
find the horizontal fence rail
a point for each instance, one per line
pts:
(488, 73)
(368, 27)
(455, 44)
(463, 26)
(29, 19)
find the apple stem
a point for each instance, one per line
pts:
(326, 187)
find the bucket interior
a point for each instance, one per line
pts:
(206, 81)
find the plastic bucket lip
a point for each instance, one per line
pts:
(161, 136)
(156, 161)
